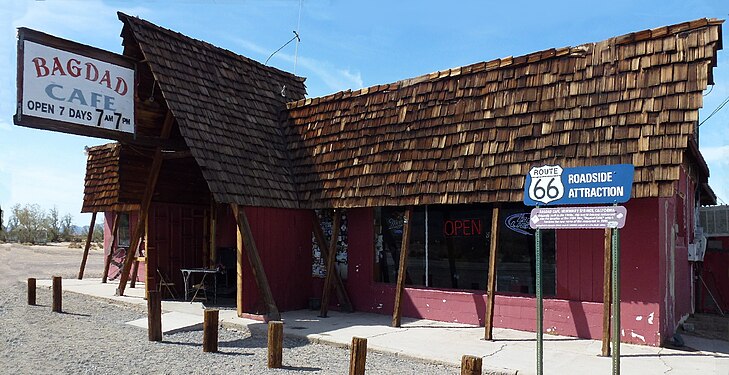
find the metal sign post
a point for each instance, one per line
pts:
(616, 301)
(540, 333)
(556, 186)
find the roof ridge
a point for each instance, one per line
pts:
(176, 34)
(503, 62)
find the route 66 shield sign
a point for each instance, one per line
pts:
(546, 183)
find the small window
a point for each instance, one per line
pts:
(122, 231)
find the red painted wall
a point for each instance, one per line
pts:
(118, 258)
(577, 309)
(283, 239)
(715, 272)
(176, 235)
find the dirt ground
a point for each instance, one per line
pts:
(19, 262)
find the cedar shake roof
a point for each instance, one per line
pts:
(228, 109)
(101, 187)
(471, 134)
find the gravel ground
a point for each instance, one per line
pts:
(90, 337)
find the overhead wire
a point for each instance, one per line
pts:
(715, 110)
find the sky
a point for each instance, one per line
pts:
(344, 45)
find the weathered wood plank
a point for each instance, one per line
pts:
(89, 236)
(491, 285)
(402, 269)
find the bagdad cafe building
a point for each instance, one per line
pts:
(221, 163)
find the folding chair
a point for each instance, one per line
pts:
(198, 288)
(163, 283)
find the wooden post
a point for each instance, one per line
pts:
(358, 356)
(471, 365)
(212, 231)
(397, 313)
(107, 262)
(238, 264)
(88, 245)
(331, 259)
(342, 296)
(491, 284)
(57, 295)
(154, 316)
(135, 271)
(31, 291)
(259, 273)
(275, 344)
(210, 331)
(606, 292)
(149, 270)
(144, 206)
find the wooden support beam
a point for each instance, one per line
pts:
(174, 154)
(330, 260)
(140, 258)
(491, 284)
(135, 270)
(107, 261)
(342, 295)
(206, 259)
(89, 236)
(144, 206)
(259, 273)
(403, 267)
(213, 220)
(149, 270)
(606, 292)
(238, 263)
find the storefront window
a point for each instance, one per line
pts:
(449, 248)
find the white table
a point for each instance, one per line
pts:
(186, 272)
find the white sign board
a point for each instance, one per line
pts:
(72, 88)
(578, 217)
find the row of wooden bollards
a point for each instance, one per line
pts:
(470, 365)
(57, 304)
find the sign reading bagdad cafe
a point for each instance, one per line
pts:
(73, 88)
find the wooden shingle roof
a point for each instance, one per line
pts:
(471, 134)
(102, 187)
(228, 109)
